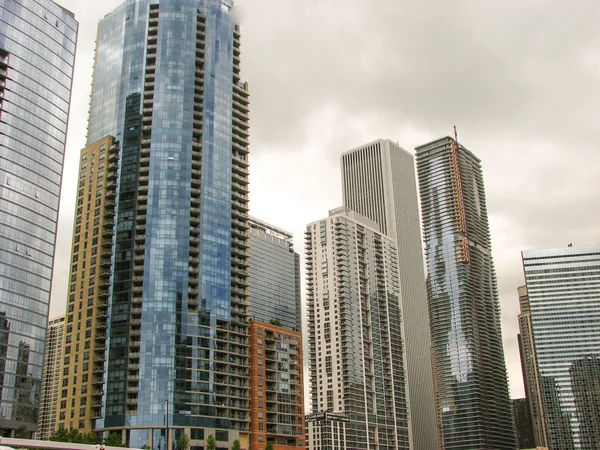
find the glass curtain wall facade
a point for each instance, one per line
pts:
(37, 52)
(274, 276)
(470, 378)
(167, 86)
(378, 181)
(564, 301)
(358, 391)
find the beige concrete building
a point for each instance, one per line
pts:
(84, 343)
(530, 370)
(51, 378)
(356, 351)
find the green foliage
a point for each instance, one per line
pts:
(74, 436)
(269, 446)
(183, 441)
(275, 322)
(88, 438)
(236, 445)
(22, 433)
(113, 440)
(211, 442)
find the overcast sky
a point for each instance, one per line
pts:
(520, 80)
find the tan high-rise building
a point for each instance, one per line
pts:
(277, 387)
(84, 342)
(51, 378)
(530, 370)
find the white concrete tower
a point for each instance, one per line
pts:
(378, 181)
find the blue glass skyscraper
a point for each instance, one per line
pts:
(167, 87)
(37, 52)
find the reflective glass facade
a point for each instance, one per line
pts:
(37, 51)
(564, 302)
(274, 276)
(179, 274)
(470, 378)
(354, 336)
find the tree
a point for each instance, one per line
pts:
(87, 438)
(74, 436)
(211, 443)
(113, 440)
(269, 446)
(60, 435)
(275, 322)
(183, 441)
(22, 433)
(236, 445)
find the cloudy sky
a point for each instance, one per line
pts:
(520, 80)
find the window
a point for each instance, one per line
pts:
(221, 435)
(197, 433)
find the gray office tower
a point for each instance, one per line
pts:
(37, 52)
(378, 181)
(273, 276)
(563, 285)
(470, 373)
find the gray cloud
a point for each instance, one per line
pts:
(520, 79)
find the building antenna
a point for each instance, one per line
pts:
(455, 135)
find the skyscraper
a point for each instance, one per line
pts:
(470, 373)
(523, 423)
(51, 381)
(84, 342)
(167, 87)
(564, 302)
(355, 336)
(529, 367)
(37, 52)
(273, 275)
(378, 181)
(277, 393)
